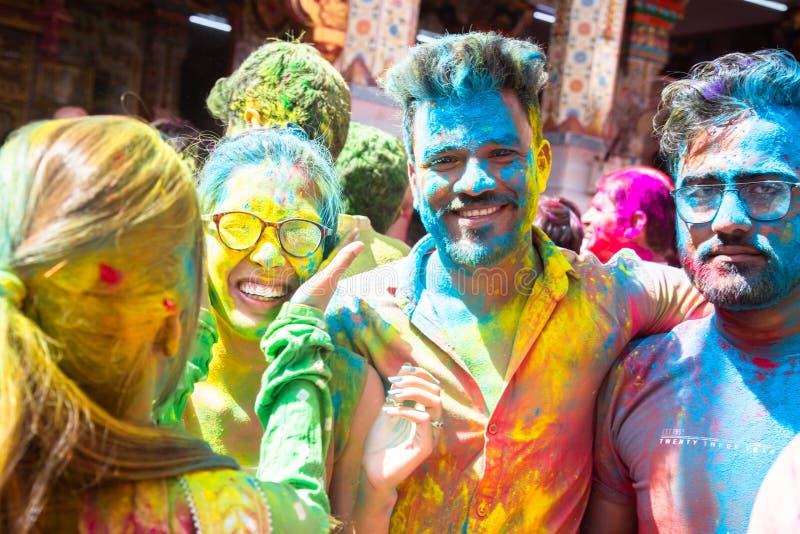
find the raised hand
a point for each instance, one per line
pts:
(404, 433)
(318, 290)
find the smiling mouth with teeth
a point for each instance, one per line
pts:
(479, 212)
(262, 292)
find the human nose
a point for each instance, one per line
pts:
(731, 216)
(475, 179)
(588, 216)
(268, 252)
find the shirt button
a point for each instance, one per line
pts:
(493, 428)
(483, 509)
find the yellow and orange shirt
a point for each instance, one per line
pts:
(526, 465)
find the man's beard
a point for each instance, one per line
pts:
(737, 286)
(473, 248)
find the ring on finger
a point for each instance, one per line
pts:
(438, 424)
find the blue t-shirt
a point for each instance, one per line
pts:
(688, 426)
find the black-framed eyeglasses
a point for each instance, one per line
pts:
(239, 230)
(767, 200)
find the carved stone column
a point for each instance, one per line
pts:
(379, 33)
(645, 51)
(583, 57)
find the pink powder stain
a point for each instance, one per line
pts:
(169, 305)
(764, 363)
(109, 275)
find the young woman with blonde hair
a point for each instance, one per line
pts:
(101, 263)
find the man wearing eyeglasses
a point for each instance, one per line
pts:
(689, 422)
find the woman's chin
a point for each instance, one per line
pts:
(253, 325)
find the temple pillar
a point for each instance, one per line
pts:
(645, 51)
(583, 58)
(379, 33)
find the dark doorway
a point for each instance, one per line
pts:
(207, 60)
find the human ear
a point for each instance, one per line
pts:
(252, 117)
(544, 161)
(636, 226)
(168, 338)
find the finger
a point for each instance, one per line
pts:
(405, 381)
(423, 400)
(341, 262)
(318, 290)
(406, 412)
(342, 242)
(347, 238)
(408, 369)
(424, 430)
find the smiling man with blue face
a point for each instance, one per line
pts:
(689, 422)
(473, 176)
(518, 332)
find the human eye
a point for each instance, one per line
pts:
(699, 195)
(502, 155)
(442, 163)
(765, 188)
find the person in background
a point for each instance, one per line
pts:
(284, 82)
(560, 219)
(374, 176)
(69, 112)
(186, 139)
(101, 258)
(633, 209)
(373, 170)
(689, 422)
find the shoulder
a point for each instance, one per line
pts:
(378, 248)
(659, 360)
(376, 284)
(349, 371)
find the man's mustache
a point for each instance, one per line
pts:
(484, 200)
(710, 248)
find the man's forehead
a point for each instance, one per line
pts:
(495, 116)
(752, 145)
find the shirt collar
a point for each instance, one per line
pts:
(556, 262)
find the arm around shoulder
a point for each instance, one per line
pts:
(670, 298)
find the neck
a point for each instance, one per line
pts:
(236, 359)
(771, 331)
(486, 290)
(139, 407)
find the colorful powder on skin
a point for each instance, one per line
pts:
(273, 192)
(753, 147)
(109, 275)
(448, 130)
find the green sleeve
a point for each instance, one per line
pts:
(170, 411)
(291, 515)
(294, 403)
